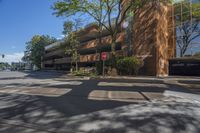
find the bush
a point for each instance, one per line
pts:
(84, 73)
(197, 54)
(128, 65)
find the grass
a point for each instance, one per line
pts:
(83, 73)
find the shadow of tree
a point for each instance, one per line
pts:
(45, 75)
(75, 112)
(83, 115)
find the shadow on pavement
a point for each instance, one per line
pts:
(68, 114)
(76, 112)
(44, 74)
(32, 74)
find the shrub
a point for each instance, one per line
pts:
(197, 54)
(128, 65)
(84, 73)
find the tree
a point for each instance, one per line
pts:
(35, 49)
(71, 40)
(187, 36)
(68, 27)
(197, 54)
(72, 48)
(92, 8)
(4, 65)
(109, 14)
(72, 25)
(189, 28)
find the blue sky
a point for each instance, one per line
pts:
(22, 19)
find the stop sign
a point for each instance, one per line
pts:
(103, 56)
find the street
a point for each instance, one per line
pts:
(50, 102)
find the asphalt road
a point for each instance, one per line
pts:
(55, 103)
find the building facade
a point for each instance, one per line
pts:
(90, 50)
(151, 40)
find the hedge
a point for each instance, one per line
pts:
(128, 65)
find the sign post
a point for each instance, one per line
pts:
(103, 58)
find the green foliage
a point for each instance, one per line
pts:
(68, 27)
(4, 65)
(72, 43)
(84, 73)
(102, 11)
(185, 7)
(35, 49)
(196, 12)
(128, 65)
(197, 54)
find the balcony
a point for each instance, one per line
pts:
(89, 32)
(54, 45)
(105, 40)
(83, 58)
(48, 62)
(62, 60)
(96, 57)
(121, 53)
(89, 58)
(59, 52)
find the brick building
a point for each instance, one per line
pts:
(152, 40)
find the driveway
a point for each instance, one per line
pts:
(55, 103)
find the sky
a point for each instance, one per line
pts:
(22, 19)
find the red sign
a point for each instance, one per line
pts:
(103, 56)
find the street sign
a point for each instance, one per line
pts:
(103, 56)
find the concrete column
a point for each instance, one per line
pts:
(152, 38)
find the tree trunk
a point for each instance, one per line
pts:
(113, 45)
(181, 53)
(100, 35)
(130, 28)
(113, 57)
(113, 54)
(76, 60)
(76, 66)
(71, 68)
